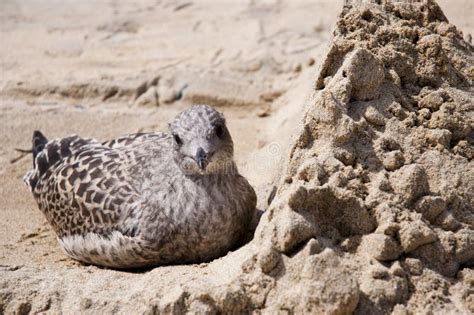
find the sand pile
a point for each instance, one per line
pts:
(374, 212)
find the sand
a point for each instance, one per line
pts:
(344, 228)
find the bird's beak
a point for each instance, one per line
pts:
(201, 158)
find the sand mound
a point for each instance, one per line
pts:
(380, 180)
(374, 212)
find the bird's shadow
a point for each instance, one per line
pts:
(249, 234)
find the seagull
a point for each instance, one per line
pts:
(145, 199)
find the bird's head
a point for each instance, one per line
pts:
(202, 142)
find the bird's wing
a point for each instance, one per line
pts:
(133, 139)
(52, 152)
(92, 189)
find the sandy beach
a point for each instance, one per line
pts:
(102, 69)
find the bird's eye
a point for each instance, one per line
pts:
(178, 140)
(220, 131)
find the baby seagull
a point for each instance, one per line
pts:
(145, 199)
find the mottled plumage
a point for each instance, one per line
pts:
(144, 199)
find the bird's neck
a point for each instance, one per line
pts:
(215, 171)
(229, 168)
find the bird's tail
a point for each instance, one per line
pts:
(39, 141)
(46, 153)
